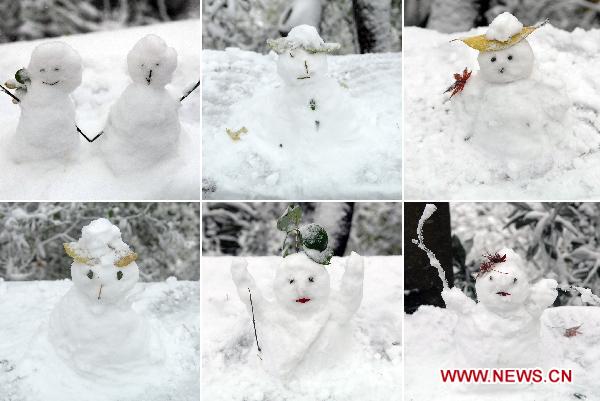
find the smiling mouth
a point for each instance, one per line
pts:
(302, 300)
(503, 294)
(50, 83)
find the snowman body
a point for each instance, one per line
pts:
(143, 126)
(47, 127)
(94, 327)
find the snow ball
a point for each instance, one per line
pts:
(57, 65)
(306, 36)
(101, 237)
(151, 61)
(503, 27)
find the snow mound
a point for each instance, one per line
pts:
(503, 27)
(441, 164)
(231, 368)
(104, 56)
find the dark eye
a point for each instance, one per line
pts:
(119, 275)
(291, 55)
(90, 274)
(56, 69)
(292, 281)
(42, 70)
(514, 280)
(142, 65)
(311, 279)
(510, 57)
(491, 279)
(493, 59)
(157, 64)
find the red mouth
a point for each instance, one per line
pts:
(503, 294)
(303, 300)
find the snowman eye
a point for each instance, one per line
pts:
(292, 281)
(510, 57)
(157, 64)
(119, 275)
(311, 279)
(142, 65)
(493, 59)
(90, 274)
(514, 280)
(491, 279)
(56, 69)
(291, 55)
(42, 70)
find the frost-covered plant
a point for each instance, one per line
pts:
(166, 237)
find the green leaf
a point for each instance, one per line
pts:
(314, 237)
(22, 76)
(290, 219)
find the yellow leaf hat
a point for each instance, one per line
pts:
(483, 44)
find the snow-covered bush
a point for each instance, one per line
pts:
(165, 235)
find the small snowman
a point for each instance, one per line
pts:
(47, 128)
(501, 329)
(306, 327)
(508, 109)
(93, 327)
(143, 125)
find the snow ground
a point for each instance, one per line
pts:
(230, 368)
(104, 78)
(429, 346)
(25, 309)
(232, 76)
(441, 165)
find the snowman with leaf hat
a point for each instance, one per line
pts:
(94, 327)
(306, 326)
(508, 109)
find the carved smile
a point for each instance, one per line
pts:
(303, 300)
(503, 294)
(50, 83)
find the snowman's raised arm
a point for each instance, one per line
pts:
(543, 294)
(457, 300)
(351, 288)
(246, 286)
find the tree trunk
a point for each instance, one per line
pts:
(373, 25)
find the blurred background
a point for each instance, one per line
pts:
(165, 235)
(34, 19)
(461, 15)
(560, 241)
(249, 229)
(360, 26)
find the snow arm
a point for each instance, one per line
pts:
(543, 294)
(457, 301)
(246, 286)
(351, 289)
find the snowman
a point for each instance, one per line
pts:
(508, 109)
(501, 329)
(143, 125)
(47, 128)
(306, 327)
(93, 328)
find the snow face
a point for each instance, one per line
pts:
(151, 62)
(298, 67)
(56, 65)
(503, 27)
(506, 287)
(507, 65)
(301, 286)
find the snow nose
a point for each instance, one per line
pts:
(149, 78)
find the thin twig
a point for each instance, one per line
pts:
(253, 321)
(186, 94)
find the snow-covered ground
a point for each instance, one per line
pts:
(30, 370)
(231, 369)
(104, 79)
(440, 164)
(316, 170)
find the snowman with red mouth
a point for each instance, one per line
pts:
(307, 326)
(504, 323)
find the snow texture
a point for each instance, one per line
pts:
(503, 27)
(320, 139)
(232, 369)
(104, 79)
(560, 102)
(30, 369)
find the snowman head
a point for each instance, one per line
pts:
(508, 65)
(302, 56)
(301, 285)
(151, 62)
(502, 284)
(55, 65)
(104, 268)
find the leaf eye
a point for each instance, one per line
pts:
(90, 274)
(493, 59)
(510, 57)
(311, 279)
(292, 281)
(119, 275)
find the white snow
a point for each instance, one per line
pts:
(30, 370)
(105, 76)
(503, 27)
(441, 164)
(231, 369)
(308, 136)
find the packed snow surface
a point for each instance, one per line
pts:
(287, 136)
(31, 370)
(561, 99)
(105, 77)
(503, 27)
(232, 370)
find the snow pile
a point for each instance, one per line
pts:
(366, 365)
(503, 27)
(481, 146)
(104, 57)
(30, 369)
(325, 128)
